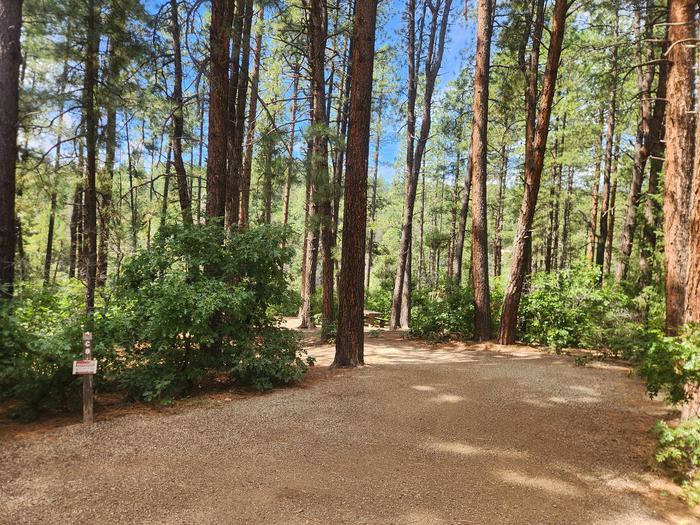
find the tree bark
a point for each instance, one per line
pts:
(400, 304)
(218, 110)
(318, 34)
(533, 173)
(244, 216)
(90, 117)
(595, 193)
(349, 347)
(652, 213)
(679, 159)
(10, 59)
(235, 148)
(183, 188)
(609, 144)
(480, 239)
(641, 146)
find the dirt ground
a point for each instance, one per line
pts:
(422, 434)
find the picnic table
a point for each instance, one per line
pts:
(374, 319)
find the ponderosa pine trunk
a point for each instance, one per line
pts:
(595, 192)
(652, 212)
(644, 79)
(218, 110)
(479, 142)
(680, 144)
(566, 225)
(237, 109)
(400, 304)
(183, 188)
(246, 171)
(609, 154)
(90, 168)
(349, 346)
(318, 34)
(500, 201)
(533, 174)
(10, 59)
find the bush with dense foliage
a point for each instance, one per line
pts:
(189, 310)
(679, 449)
(444, 313)
(570, 309)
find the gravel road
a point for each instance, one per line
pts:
(423, 434)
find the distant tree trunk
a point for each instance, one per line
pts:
(462, 227)
(318, 34)
(349, 347)
(166, 188)
(183, 188)
(652, 213)
(400, 304)
(679, 158)
(607, 262)
(480, 239)
(10, 59)
(290, 147)
(90, 117)
(549, 240)
(235, 143)
(595, 194)
(498, 233)
(57, 166)
(218, 110)
(566, 226)
(609, 143)
(244, 217)
(75, 229)
(310, 258)
(533, 174)
(641, 146)
(373, 198)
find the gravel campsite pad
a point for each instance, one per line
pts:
(423, 434)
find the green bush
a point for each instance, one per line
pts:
(40, 334)
(441, 314)
(671, 364)
(184, 312)
(569, 309)
(679, 449)
(192, 305)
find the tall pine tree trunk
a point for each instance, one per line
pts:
(183, 188)
(349, 349)
(679, 139)
(480, 239)
(90, 118)
(609, 154)
(218, 110)
(533, 173)
(10, 59)
(246, 171)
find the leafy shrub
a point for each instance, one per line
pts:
(190, 308)
(40, 334)
(379, 300)
(568, 308)
(192, 305)
(672, 364)
(679, 449)
(442, 314)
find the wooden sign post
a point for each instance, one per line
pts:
(87, 367)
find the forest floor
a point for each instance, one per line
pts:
(447, 433)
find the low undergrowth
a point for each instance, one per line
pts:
(191, 307)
